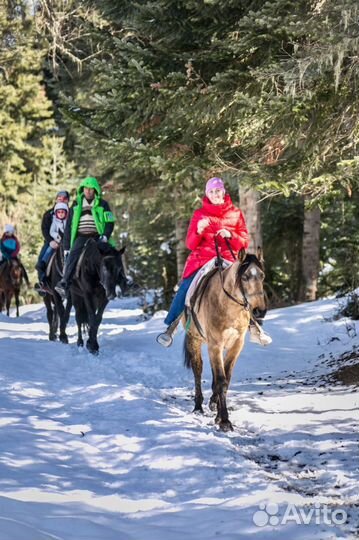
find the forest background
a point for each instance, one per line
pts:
(154, 97)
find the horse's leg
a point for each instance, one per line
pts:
(213, 402)
(79, 321)
(64, 320)
(51, 316)
(8, 303)
(91, 344)
(193, 358)
(80, 340)
(229, 363)
(232, 356)
(61, 316)
(99, 316)
(219, 385)
(17, 303)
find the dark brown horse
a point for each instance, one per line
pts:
(57, 311)
(12, 274)
(220, 317)
(99, 277)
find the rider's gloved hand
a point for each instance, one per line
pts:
(224, 233)
(103, 238)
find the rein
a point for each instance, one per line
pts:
(198, 298)
(244, 304)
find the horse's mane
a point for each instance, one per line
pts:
(94, 255)
(91, 258)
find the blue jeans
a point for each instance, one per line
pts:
(48, 253)
(44, 257)
(178, 302)
(42, 253)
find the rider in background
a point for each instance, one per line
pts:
(217, 219)
(46, 223)
(9, 244)
(56, 233)
(89, 217)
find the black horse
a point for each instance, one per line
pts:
(57, 311)
(98, 275)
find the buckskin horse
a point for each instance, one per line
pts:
(57, 311)
(98, 275)
(220, 314)
(12, 273)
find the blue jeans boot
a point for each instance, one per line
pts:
(174, 315)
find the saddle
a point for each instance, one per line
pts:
(196, 290)
(201, 280)
(50, 264)
(105, 249)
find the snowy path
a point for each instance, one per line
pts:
(107, 448)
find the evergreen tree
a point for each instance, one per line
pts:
(173, 91)
(31, 152)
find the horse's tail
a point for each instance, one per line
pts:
(187, 357)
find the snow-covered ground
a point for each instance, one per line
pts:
(107, 448)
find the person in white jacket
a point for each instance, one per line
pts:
(57, 229)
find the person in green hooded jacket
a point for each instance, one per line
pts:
(89, 217)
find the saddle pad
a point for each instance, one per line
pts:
(50, 263)
(79, 262)
(200, 275)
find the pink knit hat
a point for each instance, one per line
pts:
(214, 183)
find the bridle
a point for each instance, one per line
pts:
(219, 263)
(220, 268)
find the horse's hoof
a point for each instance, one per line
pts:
(52, 337)
(225, 425)
(92, 350)
(212, 405)
(198, 410)
(64, 339)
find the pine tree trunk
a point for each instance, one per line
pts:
(181, 250)
(310, 255)
(251, 209)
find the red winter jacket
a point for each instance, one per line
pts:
(221, 216)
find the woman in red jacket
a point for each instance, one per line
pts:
(219, 219)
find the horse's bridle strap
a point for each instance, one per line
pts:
(244, 304)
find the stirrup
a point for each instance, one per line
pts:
(40, 289)
(165, 339)
(61, 289)
(257, 335)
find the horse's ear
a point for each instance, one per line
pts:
(241, 255)
(122, 250)
(260, 255)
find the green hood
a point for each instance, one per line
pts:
(89, 182)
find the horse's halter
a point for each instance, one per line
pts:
(104, 269)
